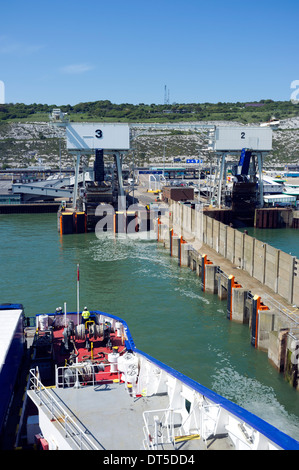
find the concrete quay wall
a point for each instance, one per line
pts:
(258, 282)
(270, 266)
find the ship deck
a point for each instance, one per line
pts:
(113, 420)
(107, 413)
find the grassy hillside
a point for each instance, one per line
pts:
(107, 111)
(26, 137)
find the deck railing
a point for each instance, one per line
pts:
(59, 414)
(84, 374)
(158, 429)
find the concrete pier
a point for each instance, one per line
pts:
(238, 311)
(257, 282)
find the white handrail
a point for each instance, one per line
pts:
(81, 370)
(166, 421)
(71, 429)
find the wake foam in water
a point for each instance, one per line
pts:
(108, 249)
(192, 295)
(255, 397)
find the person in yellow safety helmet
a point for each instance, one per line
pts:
(85, 315)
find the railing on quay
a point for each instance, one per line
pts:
(220, 271)
(292, 315)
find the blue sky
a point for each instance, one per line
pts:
(71, 51)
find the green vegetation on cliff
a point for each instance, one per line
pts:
(107, 111)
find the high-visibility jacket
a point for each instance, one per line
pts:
(85, 314)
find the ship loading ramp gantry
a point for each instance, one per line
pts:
(243, 149)
(86, 142)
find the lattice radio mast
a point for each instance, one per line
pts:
(166, 95)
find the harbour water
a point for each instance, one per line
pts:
(168, 314)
